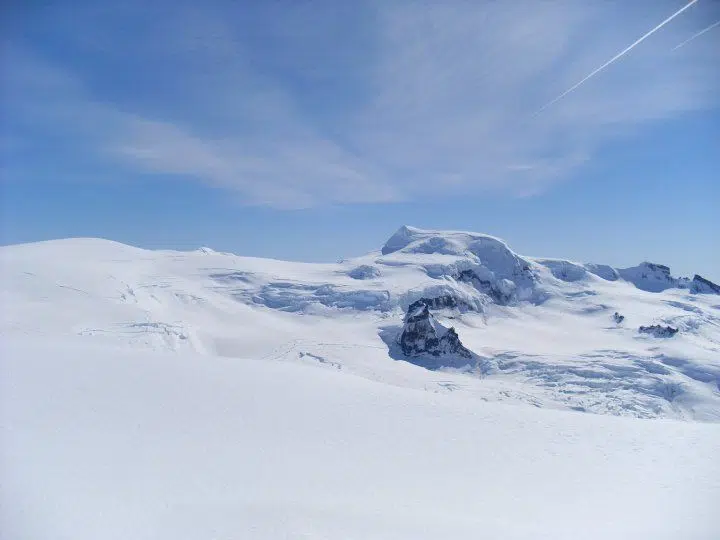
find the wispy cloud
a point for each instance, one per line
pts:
(289, 172)
(298, 107)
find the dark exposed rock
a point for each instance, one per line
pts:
(467, 276)
(445, 301)
(502, 294)
(423, 335)
(701, 285)
(658, 330)
(658, 267)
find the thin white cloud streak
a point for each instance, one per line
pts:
(457, 86)
(287, 173)
(616, 57)
(289, 165)
(696, 35)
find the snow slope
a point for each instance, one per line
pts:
(102, 442)
(182, 395)
(543, 328)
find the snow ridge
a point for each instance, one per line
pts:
(500, 326)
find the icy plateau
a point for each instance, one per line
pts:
(441, 311)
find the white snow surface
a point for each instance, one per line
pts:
(103, 443)
(182, 395)
(554, 344)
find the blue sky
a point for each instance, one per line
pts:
(313, 130)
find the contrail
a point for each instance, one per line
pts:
(700, 33)
(616, 57)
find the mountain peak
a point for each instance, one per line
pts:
(415, 240)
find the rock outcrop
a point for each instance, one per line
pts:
(658, 330)
(422, 335)
(445, 301)
(502, 291)
(701, 285)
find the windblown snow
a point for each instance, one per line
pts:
(163, 394)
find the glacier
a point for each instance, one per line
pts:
(441, 386)
(545, 329)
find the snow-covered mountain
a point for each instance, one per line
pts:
(497, 325)
(427, 390)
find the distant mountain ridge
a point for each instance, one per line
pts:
(498, 325)
(497, 255)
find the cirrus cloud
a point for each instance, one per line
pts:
(299, 105)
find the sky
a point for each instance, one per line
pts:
(311, 130)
